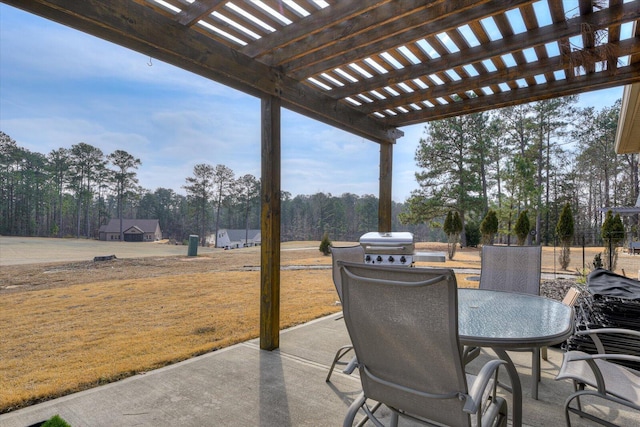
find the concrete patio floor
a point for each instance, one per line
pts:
(245, 386)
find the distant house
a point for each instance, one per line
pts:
(233, 239)
(134, 230)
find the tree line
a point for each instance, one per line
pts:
(71, 192)
(532, 158)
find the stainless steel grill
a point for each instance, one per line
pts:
(392, 248)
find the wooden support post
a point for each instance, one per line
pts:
(270, 225)
(386, 169)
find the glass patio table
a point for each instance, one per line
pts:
(506, 320)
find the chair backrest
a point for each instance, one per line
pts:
(511, 268)
(403, 324)
(346, 254)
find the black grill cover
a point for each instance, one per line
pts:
(612, 301)
(605, 283)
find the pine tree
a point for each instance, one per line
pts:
(453, 228)
(489, 227)
(123, 178)
(564, 230)
(522, 227)
(612, 234)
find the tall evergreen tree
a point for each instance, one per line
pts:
(223, 180)
(519, 162)
(449, 176)
(124, 179)
(87, 162)
(248, 191)
(10, 155)
(596, 134)
(549, 119)
(199, 191)
(59, 164)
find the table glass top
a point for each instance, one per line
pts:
(508, 319)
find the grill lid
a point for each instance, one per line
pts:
(400, 242)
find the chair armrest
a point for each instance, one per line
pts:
(609, 331)
(593, 333)
(627, 357)
(488, 371)
(590, 359)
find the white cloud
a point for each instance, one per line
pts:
(62, 53)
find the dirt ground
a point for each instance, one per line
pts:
(41, 263)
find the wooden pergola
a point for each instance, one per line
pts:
(369, 67)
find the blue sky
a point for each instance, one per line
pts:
(59, 87)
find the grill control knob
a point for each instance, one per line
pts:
(403, 259)
(391, 259)
(367, 258)
(379, 258)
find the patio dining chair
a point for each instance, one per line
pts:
(348, 254)
(512, 269)
(599, 375)
(403, 323)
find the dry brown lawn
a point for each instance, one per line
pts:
(74, 325)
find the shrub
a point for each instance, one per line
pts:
(597, 261)
(564, 230)
(453, 228)
(325, 245)
(612, 234)
(522, 227)
(489, 227)
(472, 233)
(56, 421)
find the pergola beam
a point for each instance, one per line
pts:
(442, 16)
(558, 88)
(311, 26)
(522, 71)
(536, 37)
(198, 10)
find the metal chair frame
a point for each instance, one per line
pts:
(403, 323)
(604, 378)
(512, 269)
(351, 254)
